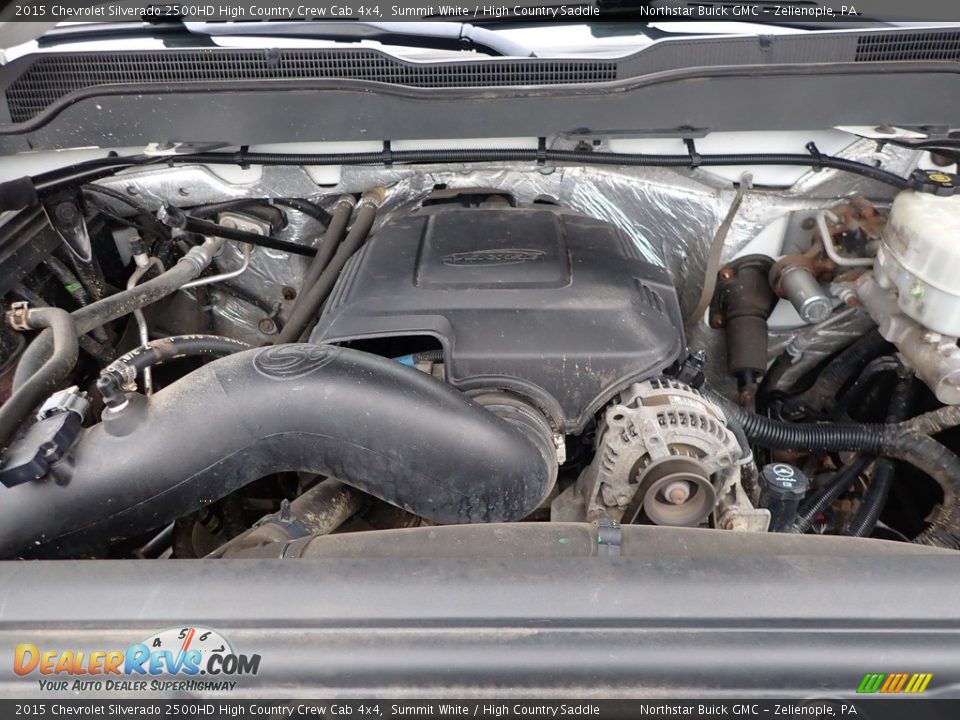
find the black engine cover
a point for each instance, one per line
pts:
(553, 305)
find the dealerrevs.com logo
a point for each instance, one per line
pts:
(174, 660)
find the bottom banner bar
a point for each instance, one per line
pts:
(861, 709)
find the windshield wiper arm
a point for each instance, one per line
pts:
(438, 35)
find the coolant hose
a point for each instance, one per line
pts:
(313, 297)
(892, 441)
(44, 381)
(383, 428)
(331, 240)
(122, 303)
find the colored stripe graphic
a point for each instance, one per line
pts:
(894, 683)
(871, 682)
(918, 683)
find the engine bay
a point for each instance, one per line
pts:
(207, 361)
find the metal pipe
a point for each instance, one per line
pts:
(116, 306)
(831, 249)
(144, 264)
(220, 277)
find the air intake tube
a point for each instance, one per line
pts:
(377, 425)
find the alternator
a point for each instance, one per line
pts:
(663, 452)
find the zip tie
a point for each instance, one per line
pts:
(811, 147)
(541, 151)
(695, 159)
(244, 165)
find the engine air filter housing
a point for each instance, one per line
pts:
(539, 301)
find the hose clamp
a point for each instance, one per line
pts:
(374, 196)
(18, 316)
(346, 201)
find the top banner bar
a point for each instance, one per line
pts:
(803, 13)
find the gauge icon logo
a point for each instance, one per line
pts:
(203, 640)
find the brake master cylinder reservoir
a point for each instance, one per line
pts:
(920, 257)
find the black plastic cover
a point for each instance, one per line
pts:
(44, 442)
(782, 487)
(540, 301)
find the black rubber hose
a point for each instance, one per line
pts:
(943, 466)
(865, 382)
(892, 441)
(386, 429)
(157, 352)
(331, 241)
(736, 427)
(71, 283)
(212, 229)
(143, 215)
(310, 209)
(305, 207)
(48, 376)
(827, 495)
(311, 299)
(102, 354)
(843, 368)
(127, 367)
(881, 482)
(901, 402)
(116, 306)
(88, 171)
(69, 280)
(771, 379)
(868, 514)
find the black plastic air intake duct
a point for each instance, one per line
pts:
(379, 426)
